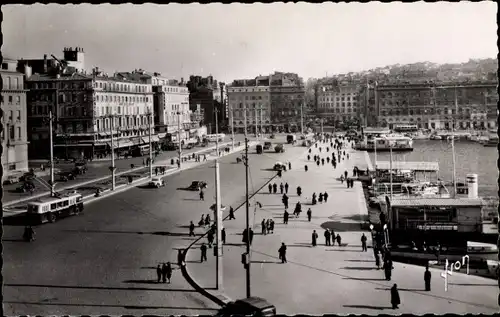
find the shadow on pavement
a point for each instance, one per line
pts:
(367, 307)
(159, 233)
(360, 268)
(357, 217)
(343, 250)
(235, 244)
(13, 240)
(360, 261)
(266, 262)
(472, 284)
(192, 199)
(18, 220)
(111, 288)
(301, 245)
(104, 305)
(400, 289)
(342, 226)
(363, 279)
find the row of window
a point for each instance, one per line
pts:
(338, 99)
(176, 98)
(108, 110)
(62, 85)
(122, 87)
(438, 111)
(250, 114)
(175, 89)
(14, 133)
(12, 83)
(11, 99)
(336, 105)
(121, 99)
(123, 122)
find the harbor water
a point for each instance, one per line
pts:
(470, 157)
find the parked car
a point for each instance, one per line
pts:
(80, 167)
(272, 136)
(279, 148)
(253, 306)
(267, 145)
(222, 208)
(278, 166)
(197, 185)
(66, 176)
(12, 179)
(156, 182)
(25, 187)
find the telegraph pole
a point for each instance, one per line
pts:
(261, 123)
(301, 119)
(256, 123)
(218, 213)
(179, 137)
(247, 221)
(52, 185)
(150, 117)
(113, 168)
(232, 125)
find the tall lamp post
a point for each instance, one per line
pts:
(51, 140)
(150, 119)
(232, 125)
(218, 213)
(113, 166)
(179, 114)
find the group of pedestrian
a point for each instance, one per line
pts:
(160, 170)
(164, 273)
(204, 221)
(267, 226)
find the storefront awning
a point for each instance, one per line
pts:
(155, 138)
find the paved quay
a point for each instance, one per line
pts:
(318, 280)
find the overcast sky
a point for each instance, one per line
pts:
(242, 41)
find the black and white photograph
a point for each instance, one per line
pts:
(250, 159)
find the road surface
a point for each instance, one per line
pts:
(103, 262)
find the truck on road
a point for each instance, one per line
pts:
(291, 138)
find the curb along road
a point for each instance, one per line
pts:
(220, 298)
(43, 194)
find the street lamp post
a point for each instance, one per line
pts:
(390, 167)
(113, 168)
(301, 119)
(150, 118)
(51, 140)
(218, 213)
(179, 137)
(232, 125)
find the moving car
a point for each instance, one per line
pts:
(156, 182)
(25, 187)
(80, 167)
(222, 208)
(291, 138)
(267, 145)
(197, 185)
(259, 149)
(11, 179)
(253, 306)
(279, 148)
(278, 166)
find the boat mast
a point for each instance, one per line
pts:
(453, 145)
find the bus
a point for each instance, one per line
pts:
(139, 150)
(52, 208)
(405, 128)
(215, 137)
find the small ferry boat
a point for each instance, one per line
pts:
(492, 142)
(435, 137)
(385, 143)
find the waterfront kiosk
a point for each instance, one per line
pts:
(419, 222)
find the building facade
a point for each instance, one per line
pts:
(339, 102)
(88, 110)
(14, 136)
(287, 101)
(434, 106)
(249, 103)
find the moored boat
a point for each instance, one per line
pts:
(386, 143)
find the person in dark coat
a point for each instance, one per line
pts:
(317, 162)
(286, 188)
(231, 213)
(363, 243)
(314, 238)
(285, 217)
(309, 157)
(282, 188)
(395, 300)
(306, 168)
(387, 269)
(271, 225)
(159, 273)
(207, 220)
(164, 273)
(282, 252)
(223, 235)
(314, 198)
(263, 225)
(180, 257)
(210, 238)
(191, 229)
(289, 165)
(245, 236)
(322, 161)
(339, 240)
(427, 278)
(275, 188)
(327, 237)
(309, 214)
(320, 197)
(325, 196)
(270, 187)
(345, 173)
(251, 235)
(203, 249)
(299, 191)
(202, 221)
(377, 258)
(285, 201)
(309, 150)
(268, 226)
(168, 272)
(202, 195)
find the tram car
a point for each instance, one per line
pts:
(53, 208)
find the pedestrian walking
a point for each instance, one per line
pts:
(309, 214)
(320, 197)
(339, 240)
(289, 165)
(203, 249)
(268, 226)
(251, 235)
(345, 173)
(272, 225)
(159, 273)
(427, 278)
(387, 269)
(207, 220)
(327, 160)
(285, 201)
(275, 188)
(314, 238)
(282, 252)
(191, 229)
(317, 162)
(244, 236)
(332, 237)
(363, 243)
(309, 157)
(282, 188)
(202, 195)
(325, 196)
(299, 191)
(286, 188)
(210, 238)
(168, 272)
(322, 161)
(270, 187)
(164, 273)
(395, 300)
(327, 237)
(231, 213)
(285, 217)
(223, 235)
(202, 221)
(263, 225)
(180, 257)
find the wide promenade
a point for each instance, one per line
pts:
(328, 279)
(103, 262)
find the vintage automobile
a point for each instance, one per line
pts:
(197, 185)
(278, 166)
(66, 176)
(25, 187)
(156, 182)
(279, 148)
(267, 145)
(253, 306)
(80, 167)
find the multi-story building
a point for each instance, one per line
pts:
(88, 110)
(472, 105)
(250, 100)
(338, 102)
(287, 101)
(14, 136)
